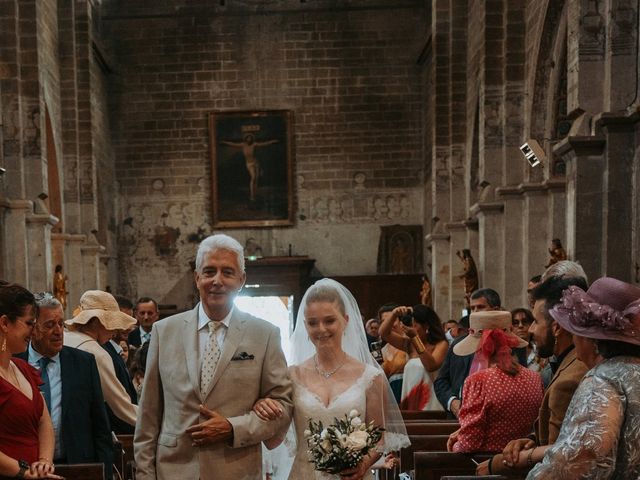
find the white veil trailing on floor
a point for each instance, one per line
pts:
(354, 344)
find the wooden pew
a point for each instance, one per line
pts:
(123, 456)
(423, 415)
(421, 443)
(434, 465)
(81, 471)
(432, 427)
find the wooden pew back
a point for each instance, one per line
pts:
(81, 471)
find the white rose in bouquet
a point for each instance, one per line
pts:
(357, 440)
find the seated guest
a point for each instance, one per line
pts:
(139, 367)
(93, 326)
(521, 319)
(502, 400)
(455, 368)
(599, 437)
(393, 359)
(26, 433)
(550, 339)
(71, 389)
(423, 339)
(371, 329)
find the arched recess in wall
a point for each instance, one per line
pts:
(53, 177)
(550, 80)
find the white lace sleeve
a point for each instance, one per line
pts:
(383, 410)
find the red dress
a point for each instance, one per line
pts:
(497, 408)
(20, 416)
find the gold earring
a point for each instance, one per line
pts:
(4, 344)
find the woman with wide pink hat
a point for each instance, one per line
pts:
(500, 399)
(600, 434)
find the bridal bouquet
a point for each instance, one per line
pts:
(342, 444)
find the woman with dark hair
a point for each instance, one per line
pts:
(521, 320)
(26, 432)
(424, 340)
(502, 399)
(599, 437)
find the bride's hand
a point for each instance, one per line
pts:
(267, 409)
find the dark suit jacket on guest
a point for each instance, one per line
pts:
(134, 338)
(452, 374)
(122, 372)
(84, 426)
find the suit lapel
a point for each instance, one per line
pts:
(566, 361)
(231, 342)
(192, 350)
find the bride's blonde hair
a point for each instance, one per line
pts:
(325, 293)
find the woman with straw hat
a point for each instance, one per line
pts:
(95, 323)
(501, 399)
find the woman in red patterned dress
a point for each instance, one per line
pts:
(26, 432)
(500, 402)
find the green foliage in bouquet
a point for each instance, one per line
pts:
(341, 445)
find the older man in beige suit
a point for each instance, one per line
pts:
(205, 370)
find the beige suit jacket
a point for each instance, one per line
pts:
(557, 398)
(171, 397)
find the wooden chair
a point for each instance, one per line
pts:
(423, 415)
(81, 471)
(123, 456)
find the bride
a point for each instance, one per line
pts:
(333, 373)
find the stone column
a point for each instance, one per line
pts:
(16, 267)
(458, 241)
(39, 251)
(516, 276)
(585, 166)
(490, 260)
(440, 272)
(91, 265)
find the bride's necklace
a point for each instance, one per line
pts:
(324, 373)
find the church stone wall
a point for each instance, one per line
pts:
(350, 78)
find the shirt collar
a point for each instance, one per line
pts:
(556, 363)
(203, 319)
(34, 357)
(117, 347)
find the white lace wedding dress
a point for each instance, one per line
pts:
(362, 394)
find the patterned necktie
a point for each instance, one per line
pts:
(210, 358)
(45, 388)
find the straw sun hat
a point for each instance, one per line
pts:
(487, 320)
(96, 303)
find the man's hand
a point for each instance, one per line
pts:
(215, 429)
(455, 407)
(511, 452)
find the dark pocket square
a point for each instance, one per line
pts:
(243, 356)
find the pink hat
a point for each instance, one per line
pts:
(609, 310)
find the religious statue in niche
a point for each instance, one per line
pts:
(469, 273)
(252, 249)
(60, 286)
(425, 292)
(400, 249)
(557, 252)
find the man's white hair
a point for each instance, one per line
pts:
(219, 241)
(565, 269)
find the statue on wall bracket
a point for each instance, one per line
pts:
(557, 252)
(469, 273)
(60, 286)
